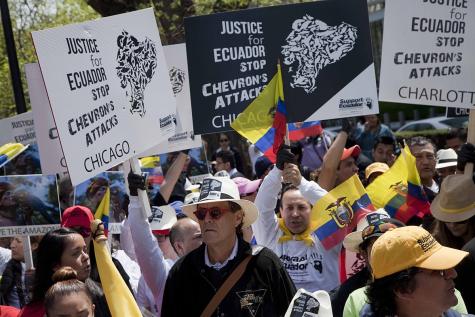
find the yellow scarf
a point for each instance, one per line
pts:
(287, 236)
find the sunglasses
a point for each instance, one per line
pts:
(214, 212)
(223, 140)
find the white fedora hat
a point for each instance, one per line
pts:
(446, 158)
(162, 218)
(219, 189)
(353, 240)
(316, 304)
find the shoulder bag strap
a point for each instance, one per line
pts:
(226, 287)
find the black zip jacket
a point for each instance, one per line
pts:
(265, 288)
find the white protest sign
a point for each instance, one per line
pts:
(184, 138)
(18, 129)
(109, 89)
(51, 155)
(428, 48)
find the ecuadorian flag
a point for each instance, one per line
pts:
(256, 123)
(9, 151)
(103, 209)
(300, 130)
(337, 213)
(399, 190)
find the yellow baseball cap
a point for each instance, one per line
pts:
(411, 246)
(375, 167)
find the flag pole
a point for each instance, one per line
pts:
(286, 138)
(135, 166)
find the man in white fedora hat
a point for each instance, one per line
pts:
(446, 163)
(226, 276)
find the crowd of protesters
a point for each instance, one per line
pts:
(243, 246)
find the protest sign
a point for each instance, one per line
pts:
(91, 192)
(184, 137)
(109, 89)
(427, 53)
(324, 48)
(18, 129)
(29, 205)
(457, 112)
(52, 158)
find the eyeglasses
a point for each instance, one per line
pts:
(223, 140)
(441, 273)
(214, 212)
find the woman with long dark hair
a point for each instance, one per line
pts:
(59, 248)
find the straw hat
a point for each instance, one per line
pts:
(455, 200)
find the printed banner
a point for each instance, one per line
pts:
(52, 158)
(109, 90)
(18, 129)
(29, 205)
(428, 50)
(91, 192)
(25, 163)
(324, 48)
(184, 138)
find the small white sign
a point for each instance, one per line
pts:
(428, 50)
(109, 89)
(18, 129)
(51, 155)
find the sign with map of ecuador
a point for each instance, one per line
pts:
(428, 48)
(324, 48)
(109, 89)
(184, 137)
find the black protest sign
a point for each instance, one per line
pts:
(324, 48)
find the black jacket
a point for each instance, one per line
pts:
(265, 289)
(12, 276)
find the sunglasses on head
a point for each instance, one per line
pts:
(378, 228)
(214, 212)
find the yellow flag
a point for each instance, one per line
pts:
(337, 213)
(257, 118)
(102, 211)
(119, 299)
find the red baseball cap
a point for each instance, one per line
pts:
(77, 216)
(354, 151)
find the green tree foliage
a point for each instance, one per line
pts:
(28, 16)
(171, 13)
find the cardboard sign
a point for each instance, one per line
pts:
(29, 205)
(324, 48)
(91, 192)
(184, 138)
(428, 50)
(18, 129)
(109, 89)
(52, 158)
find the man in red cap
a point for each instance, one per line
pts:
(339, 163)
